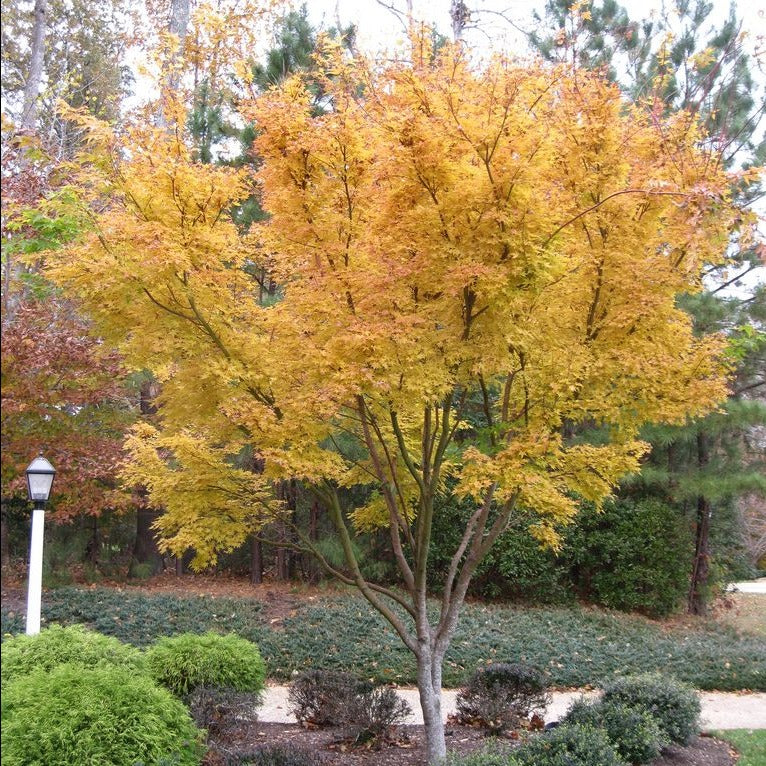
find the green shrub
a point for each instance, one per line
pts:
(71, 716)
(675, 706)
(517, 567)
(182, 663)
(635, 734)
(501, 695)
(495, 753)
(275, 755)
(56, 646)
(612, 569)
(568, 745)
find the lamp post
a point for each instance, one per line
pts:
(40, 475)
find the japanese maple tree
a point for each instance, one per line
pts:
(448, 236)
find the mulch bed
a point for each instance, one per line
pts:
(405, 746)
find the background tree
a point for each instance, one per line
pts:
(83, 47)
(684, 62)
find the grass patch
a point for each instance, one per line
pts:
(749, 743)
(575, 646)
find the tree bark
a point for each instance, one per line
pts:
(4, 543)
(36, 61)
(180, 11)
(146, 558)
(460, 16)
(430, 692)
(256, 561)
(701, 567)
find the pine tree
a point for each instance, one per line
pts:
(680, 64)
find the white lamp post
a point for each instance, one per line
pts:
(39, 482)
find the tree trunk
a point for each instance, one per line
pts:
(701, 567)
(93, 546)
(146, 559)
(430, 691)
(460, 16)
(256, 561)
(36, 61)
(4, 544)
(180, 11)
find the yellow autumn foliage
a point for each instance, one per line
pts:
(473, 259)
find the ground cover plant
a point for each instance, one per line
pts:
(575, 646)
(71, 715)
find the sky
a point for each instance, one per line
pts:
(379, 27)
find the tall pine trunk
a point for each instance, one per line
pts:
(701, 567)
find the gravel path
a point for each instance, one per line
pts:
(753, 586)
(720, 710)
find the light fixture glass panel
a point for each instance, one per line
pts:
(40, 478)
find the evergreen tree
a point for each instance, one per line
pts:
(685, 63)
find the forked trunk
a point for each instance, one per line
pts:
(430, 690)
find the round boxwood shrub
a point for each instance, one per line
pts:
(568, 745)
(674, 705)
(635, 734)
(182, 663)
(501, 695)
(72, 715)
(56, 646)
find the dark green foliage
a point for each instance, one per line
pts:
(600, 560)
(574, 646)
(57, 645)
(217, 709)
(294, 44)
(71, 716)
(140, 620)
(675, 706)
(275, 755)
(496, 753)
(320, 697)
(516, 567)
(568, 745)
(501, 695)
(633, 556)
(182, 663)
(635, 734)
